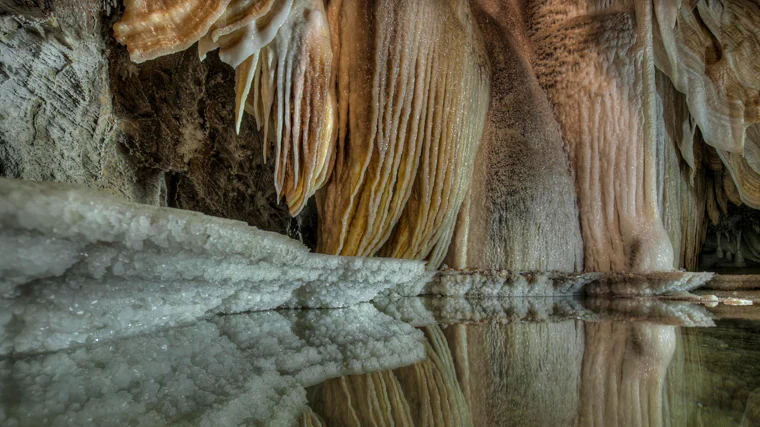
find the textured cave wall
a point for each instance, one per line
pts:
(57, 121)
(521, 210)
(177, 116)
(75, 109)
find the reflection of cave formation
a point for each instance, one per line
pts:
(588, 373)
(423, 394)
(623, 374)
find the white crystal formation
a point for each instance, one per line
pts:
(426, 311)
(505, 283)
(647, 284)
(49, 230)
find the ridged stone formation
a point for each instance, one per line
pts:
(521, 210)
(412, 86)
(595, 61)
(709, 49)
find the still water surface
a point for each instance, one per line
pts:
(421, 362)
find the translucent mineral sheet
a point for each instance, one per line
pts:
(244, 369)
(160, 260)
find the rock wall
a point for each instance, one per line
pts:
(75, 109)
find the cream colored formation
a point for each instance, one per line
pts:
(413, 83)
(383, 106)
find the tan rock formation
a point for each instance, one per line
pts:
(413, 86)
(521, 210)
(596, 63)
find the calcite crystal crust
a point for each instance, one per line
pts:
(102, 265)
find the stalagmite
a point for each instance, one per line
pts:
(283, 60)
(596, 63)
(413, 84)
(521, 210)
(739, 260)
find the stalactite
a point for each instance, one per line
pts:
(424, 394)
(310, 419)
(693, 218)
(413, 85)
(435, 393)
(680, 175)
(282, 58)
(360, 400)
(709, 51)
(672, 129)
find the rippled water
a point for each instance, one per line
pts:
(517, 362)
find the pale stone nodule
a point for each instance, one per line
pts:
(413, 84)
(283, 60)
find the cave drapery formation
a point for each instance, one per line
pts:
(409, 126)
(406, 129)
(574, 135)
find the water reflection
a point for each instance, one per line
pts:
(408, 362)
(246, 369)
